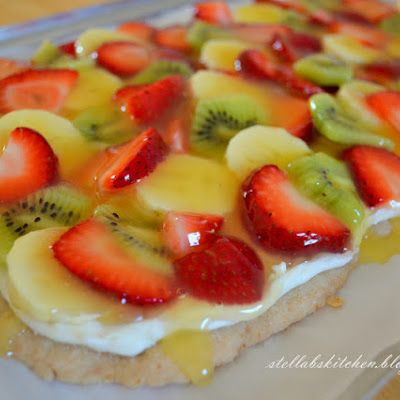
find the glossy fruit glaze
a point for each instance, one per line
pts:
(188, 158)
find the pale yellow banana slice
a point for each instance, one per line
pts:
(259, 145)
(190, 184)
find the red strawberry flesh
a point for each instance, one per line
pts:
(138, 29)
(254, 63)
(154, 100)
(284, 220)
(36, 89)
(215, 12)
(90, 251)
(133, 161)
(227, 271)
(10, 67)
(387, 106)
(187, 232)
(68, 48)
(27, 164)
(123, 58)
(376, 173)
(172, 37)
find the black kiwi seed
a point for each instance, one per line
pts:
(126, 232)
(217, 120)
(59, 205)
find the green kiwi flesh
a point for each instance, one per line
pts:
(327, 181)
(391, 24)
(323, 69)
(59, 205)
(218, 119)
(159, 70)
(105, 124)
(332, 122)
(46, 54)
(200, 32)
(144, 244)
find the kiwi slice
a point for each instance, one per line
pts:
(68, 62)
(60, 205)
(351, 96)
(144, 244)
(159, 70)
(105, 124)
(327, 181)
(218, 119)
(324, 69)
(46, 54)
(332, 122)
(391, 24)
(128, 204)
(200, 32)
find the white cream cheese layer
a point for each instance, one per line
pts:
(132, 338)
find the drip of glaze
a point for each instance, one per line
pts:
(380, 243)
(192, 352)
(10, 327)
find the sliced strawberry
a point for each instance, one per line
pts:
(227, 271)
(177, 134)
(350, 16)
(27, 164)
(296, 85)
(152, 101)
(10, 67)
(90, 251)
(382, 72)
(372, 10)
(256, 64)
(122, 95)
(138, 29)
(123, 58)
(284, 220)
(321, 17)
(363, 33)
(68, 48)
(298, 122)
(164, 53)
(215, 12)
(44, 89)
(294, 45)
(376, 172)
(132, 161)
(187, 232)
(257, 33)
(173, 37)
(387, 106)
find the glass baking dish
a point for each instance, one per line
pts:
(247, 377)
(20, 40)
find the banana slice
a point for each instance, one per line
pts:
(210, 84)
(260, 13)
(223, 53)
(352, 95)
(189, 184)
(95, 87)
(90, 40)
(259, 145)
(41, 288)
(349, 49)
(71, 148)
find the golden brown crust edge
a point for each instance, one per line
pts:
(76, 364)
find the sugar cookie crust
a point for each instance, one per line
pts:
(76, 364)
